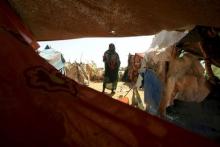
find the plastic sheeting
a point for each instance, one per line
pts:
(152, 90)
(54, 58)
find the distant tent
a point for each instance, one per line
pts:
(54, 57)
(47, 47)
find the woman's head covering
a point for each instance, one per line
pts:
(111, 47)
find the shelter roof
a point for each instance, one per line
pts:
(51, 20)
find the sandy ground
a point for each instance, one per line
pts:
(122, 89)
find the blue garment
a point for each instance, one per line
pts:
(152, 90)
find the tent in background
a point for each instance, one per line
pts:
(54, 57)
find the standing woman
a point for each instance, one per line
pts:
(112, 63)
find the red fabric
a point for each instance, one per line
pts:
(10, 21)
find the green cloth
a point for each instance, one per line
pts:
(112, 64)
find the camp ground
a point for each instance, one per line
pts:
(39, 106)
